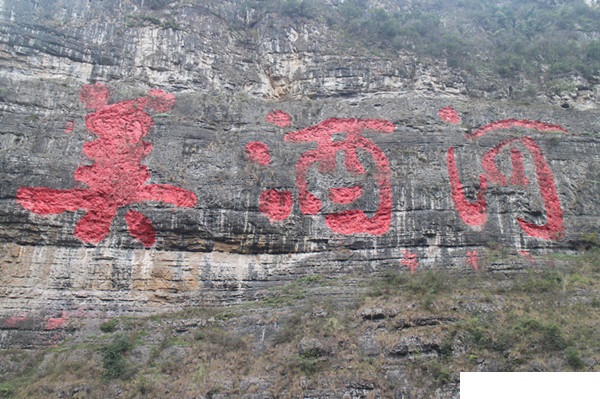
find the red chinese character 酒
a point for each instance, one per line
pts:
(351, 221)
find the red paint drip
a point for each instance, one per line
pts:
(69, 127)
(409, 260)
(473, 260)
(276, 205)
(473, 214)
(324, 156)
(509, 123)
(140, 227)
(54, 323)
(527, 256)
(258, 152)
(449, 115)
(117, 178)
(279, 118)
(345, 195)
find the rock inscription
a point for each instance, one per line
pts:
(117, 177)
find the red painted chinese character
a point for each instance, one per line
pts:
(117, 178)
(449, 115)
(474, 213)
(409, 260)
(277, 205)
(258, 152)
(324, 156)
(473, 259)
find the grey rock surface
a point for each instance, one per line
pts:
(225, 82)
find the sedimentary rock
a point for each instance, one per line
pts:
(279, 155)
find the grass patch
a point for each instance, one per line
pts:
(113, 357)
(547, 280)
(289, 330)
(308, 365)
(289, 294)
(109, 326)
(423, 284)
(7, 389)
(228, 341)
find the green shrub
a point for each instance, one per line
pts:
(151, 19)
(300, 8)
(7, 389)
(309, 365)
(547, 335)
(547, 281)
(477, 332)
(290, 329)
(109, 326)
(506, 65)
(157, 4)
(170, 24)
(560, 86)
(113, 357)
(429, 282)
(573, 358)
(590, 240)
(592, 51)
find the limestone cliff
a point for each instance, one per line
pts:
(162, 155)
(165, 154)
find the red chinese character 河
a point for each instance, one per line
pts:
(474, 213)
(277, 205)
(116, 178)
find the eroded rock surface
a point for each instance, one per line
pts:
(228, 72)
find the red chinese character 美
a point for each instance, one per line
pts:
(116, 178)
(474, 213)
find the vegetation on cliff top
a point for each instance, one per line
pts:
(534, 46)
(547, 43)
(531, 38)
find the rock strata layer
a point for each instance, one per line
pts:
(276, 155)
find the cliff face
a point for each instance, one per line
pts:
(171, 154)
